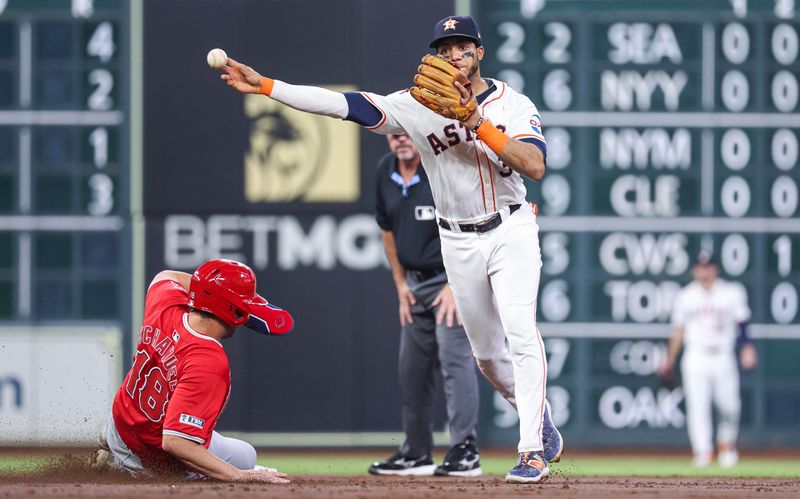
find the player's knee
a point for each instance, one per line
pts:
(519, 324)
(248, 456)
(498, 374)
(523, 341)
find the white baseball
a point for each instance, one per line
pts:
(216, 58)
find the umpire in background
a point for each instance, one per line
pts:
(431, 331)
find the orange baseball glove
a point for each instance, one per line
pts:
(435, 89)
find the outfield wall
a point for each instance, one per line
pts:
(665, 136)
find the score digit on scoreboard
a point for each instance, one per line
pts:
(64, 160)
(671, 126)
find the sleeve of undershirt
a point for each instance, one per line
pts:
(310, 99)
(377, 113)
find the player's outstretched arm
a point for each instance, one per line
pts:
(310, 99)
(241, 77)
(196, 457)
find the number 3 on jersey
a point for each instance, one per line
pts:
(152, 394)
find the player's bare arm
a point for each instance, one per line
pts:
(241, 77)
(196, 457)
(523, 157)
(748, 357)
(404, 294)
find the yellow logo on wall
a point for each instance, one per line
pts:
(299, 156)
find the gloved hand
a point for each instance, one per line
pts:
(436, 89)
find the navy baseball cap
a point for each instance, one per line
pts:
(705, 257)
(456, 26)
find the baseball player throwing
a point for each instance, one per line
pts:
(476, 145)
(164, 414)
(708, 316)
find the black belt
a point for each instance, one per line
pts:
(424, 275)
(480, 227)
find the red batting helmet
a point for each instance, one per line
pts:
(224, 288)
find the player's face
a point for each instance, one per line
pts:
(705, 274)
(463, 53)
(402, 147)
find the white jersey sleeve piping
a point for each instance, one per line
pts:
(184, 435)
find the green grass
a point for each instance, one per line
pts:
(356, 464)
(21, 464)
(351, 463)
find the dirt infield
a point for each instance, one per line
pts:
(70, 476)
(92, 485)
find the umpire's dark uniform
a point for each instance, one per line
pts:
(408, 212)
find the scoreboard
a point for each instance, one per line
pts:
(672, 126)
(64, 161)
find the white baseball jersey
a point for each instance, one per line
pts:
(709, 316)
(467, 178)
(494, 275)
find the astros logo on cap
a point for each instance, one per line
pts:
(450, 24)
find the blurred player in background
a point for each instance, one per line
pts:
(431, 333)
(164, 414)
(709, 319)
(488, 232)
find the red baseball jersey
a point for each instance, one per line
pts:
(179, 382)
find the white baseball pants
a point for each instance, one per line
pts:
(711, 377)
(495, 281)
(236, 452)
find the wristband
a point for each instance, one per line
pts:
(491, 136)
(478, 124)
(266, 86)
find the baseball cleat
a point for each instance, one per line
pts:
(701, 460)
(728, 458)
(400, 465)
(531, 468)
(99, 459)
(551, 438)
(462, 460)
